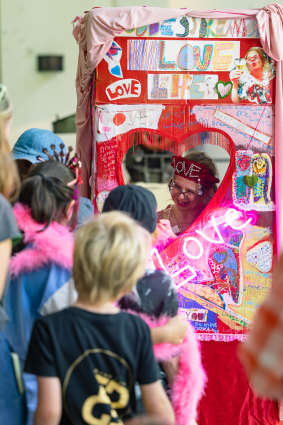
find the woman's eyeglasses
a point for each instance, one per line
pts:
(177, 191)
(253, 59)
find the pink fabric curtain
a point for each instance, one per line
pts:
(95, 32)
(270, 25)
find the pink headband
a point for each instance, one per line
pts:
(194, 171)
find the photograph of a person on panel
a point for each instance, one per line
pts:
(252, 77)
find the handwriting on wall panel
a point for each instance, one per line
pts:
(237, 124)
(186, 26)
(119, 119)
(248, 126)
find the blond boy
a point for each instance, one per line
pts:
(88, 357)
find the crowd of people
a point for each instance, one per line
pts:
(79, 276)
(89, 329)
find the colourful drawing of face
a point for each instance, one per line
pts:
(244, 162)
(259, 165)
(113, 57)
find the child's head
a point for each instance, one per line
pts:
(110, 256)
(137, 201)
(49, 191)
(36, 145)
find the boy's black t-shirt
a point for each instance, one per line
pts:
(98, 358)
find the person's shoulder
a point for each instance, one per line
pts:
(158, 293)
(65, 314)
(133, 320)
(157, 275)
(5, 206)
(56, 323)
(86, 210)
(9, 228)
(48, 273)
(163, 214)
(4, 201)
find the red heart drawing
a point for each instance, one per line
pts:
(227, 144)
(217, 138)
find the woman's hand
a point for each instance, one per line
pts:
(234, 77)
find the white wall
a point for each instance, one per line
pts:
(33, 27)
(220, 4)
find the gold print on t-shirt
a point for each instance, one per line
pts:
(106, 388)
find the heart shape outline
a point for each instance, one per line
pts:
(219, 256)
(227, 83)
(215, 202)
(251, 181)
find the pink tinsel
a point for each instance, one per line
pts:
(55, 244)
(189, 384)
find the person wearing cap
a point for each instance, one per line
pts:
(41, 267)
(154, 298)
(155, 294)
(191, 187)
(36, 145)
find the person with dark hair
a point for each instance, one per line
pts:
(37, 145)
(155, 293)
(40, 271)
(192, 186)
(154, 298)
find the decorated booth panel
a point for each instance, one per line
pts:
(174, 86)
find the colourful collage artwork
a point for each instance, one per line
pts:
(182, 83)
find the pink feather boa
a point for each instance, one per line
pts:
(54, 245)
(189, 384)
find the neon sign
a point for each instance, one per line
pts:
(230, 219)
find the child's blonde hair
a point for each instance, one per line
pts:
(110, 255)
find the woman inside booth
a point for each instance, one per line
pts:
(192, 186)
(228, 398)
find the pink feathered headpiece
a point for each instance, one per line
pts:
(194, 171)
